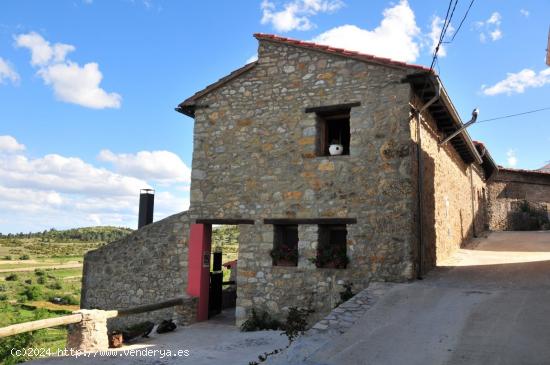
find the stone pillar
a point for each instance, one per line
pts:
(91, 333)
(307, 245)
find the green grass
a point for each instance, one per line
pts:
(27, 298)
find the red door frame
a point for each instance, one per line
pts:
(198, 283)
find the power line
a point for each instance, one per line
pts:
(462, 21)
(446, 23)
(514, 115)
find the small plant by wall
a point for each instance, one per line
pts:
(259, 321)
(347, 293)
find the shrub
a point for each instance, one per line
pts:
(28, 281)
(260, 321)
(24, 257)
(3, 297)
(7, 257)
(55, 286)
(12, 277)
(21, 341)
(346, 294)
(296, 322)
(41, 280)
(2, 287)
(33, 292)
(39, 272)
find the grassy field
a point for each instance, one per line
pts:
(35, 284)
(40, 277)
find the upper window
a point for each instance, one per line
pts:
(333, 132)
(332, 246)
(285, 245)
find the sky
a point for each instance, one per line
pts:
(88, 88)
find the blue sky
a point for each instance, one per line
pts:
(88, 88)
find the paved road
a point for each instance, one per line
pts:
(490, 306)
(217, 341)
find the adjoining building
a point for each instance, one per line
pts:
(390, 204)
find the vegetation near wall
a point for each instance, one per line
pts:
(40, 277)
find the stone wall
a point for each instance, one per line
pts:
(255, 158)
(146, 267)
(511, 187)
(454, 198)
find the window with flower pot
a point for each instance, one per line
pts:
(332, 247)
(333, 128)
(333, 132)
(285, 245)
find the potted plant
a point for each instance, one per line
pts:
(335, 148)
(331, 257)
(284, 255)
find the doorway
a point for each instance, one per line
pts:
(212, 267)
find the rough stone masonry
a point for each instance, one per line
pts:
(257, 157)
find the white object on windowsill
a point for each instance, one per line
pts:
(336, 149)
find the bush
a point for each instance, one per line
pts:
(2, 287)
(21, 341)
(41, 280)
(39, 272)
(346, 294)
(260, 321)
(296, 322)
(3, 297)
(33, 292)
(7, 257)
(64, 300)
(55, 286)
(28, 281)
(24, 257)
(12, 277)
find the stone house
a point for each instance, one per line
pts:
(393, 204)
(514, 191)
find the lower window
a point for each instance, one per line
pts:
(332, 247)
(285, 245)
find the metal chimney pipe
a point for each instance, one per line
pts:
(146, 207)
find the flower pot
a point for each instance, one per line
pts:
(335, 149)
(286, 263)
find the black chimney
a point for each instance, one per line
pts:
(146, 206)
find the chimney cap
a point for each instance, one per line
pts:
(147, 191)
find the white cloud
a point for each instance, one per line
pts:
(10, 144)
(71, 82)
(516, 83)
(296, 14)
(59, 191)
(524, 12)
(511, 158)
(490, 28)
(396, 37)
(252, 58)
(42, 52)
(79, 85)
(7, 72)
(162, 166)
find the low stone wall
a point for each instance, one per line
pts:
(146, 267)
(509, 189)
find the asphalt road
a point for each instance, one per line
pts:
(491, 305)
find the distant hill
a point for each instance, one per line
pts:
(545, 168)
(84, 234)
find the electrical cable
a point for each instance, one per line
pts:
(462, 21)
(513, 115)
